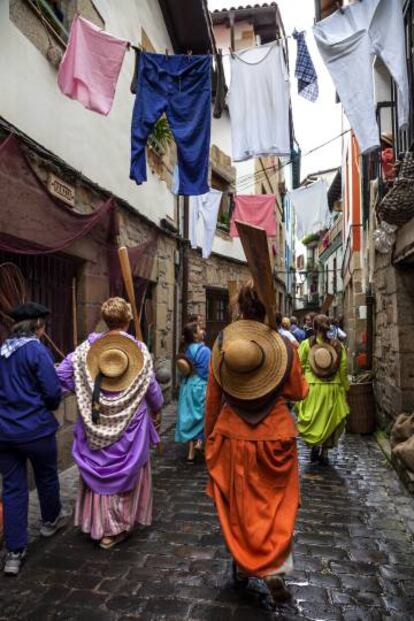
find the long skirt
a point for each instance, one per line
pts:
(191, 409)
(322, 415)
(255, 487)
(107, 515)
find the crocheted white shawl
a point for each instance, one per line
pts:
(115, 411)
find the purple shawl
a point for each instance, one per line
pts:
(114, 469)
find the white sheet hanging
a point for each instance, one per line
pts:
(347, 42)
(311, 207)
(258, 99)
(203, 220)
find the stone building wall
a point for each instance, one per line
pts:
(354, 303)
(394, 340)
(215, 272)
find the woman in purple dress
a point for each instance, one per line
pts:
(119, 403)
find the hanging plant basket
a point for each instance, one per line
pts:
(312, 239)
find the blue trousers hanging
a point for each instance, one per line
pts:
(180, 87)
(42, 454)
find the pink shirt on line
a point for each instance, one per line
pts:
(256, 209)
(91, 66)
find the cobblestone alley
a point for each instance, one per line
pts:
(353, 553)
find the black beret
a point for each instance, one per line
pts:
(29, 310)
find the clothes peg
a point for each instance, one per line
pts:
(166, 52)
(340, 7)
(231, 52)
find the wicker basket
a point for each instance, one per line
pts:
(397, 207)
(362, 416)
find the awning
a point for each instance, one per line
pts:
(31, 221)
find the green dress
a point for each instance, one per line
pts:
(322, 414)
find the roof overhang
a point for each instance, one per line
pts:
(187, 25)
(265, 19)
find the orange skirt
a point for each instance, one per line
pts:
(255, 487)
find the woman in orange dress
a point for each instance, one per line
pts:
(251, 449)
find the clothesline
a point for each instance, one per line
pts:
(259, 175)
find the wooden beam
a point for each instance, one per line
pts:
(256, 249)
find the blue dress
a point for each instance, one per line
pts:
(192, 398)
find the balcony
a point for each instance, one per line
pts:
(329, 237)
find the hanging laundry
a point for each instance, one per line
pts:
(180, 86)
(91, 66)
(256, 209)
(259, 103)
(311, 207)
(305, 70)
(219, 86)
(347, 42)
(203, 220)
(134, 81)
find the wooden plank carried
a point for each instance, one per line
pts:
(256, 249)
(327, 303)
(129, 287)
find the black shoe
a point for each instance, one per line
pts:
(239, 580)
(315, 455)
(323, 457)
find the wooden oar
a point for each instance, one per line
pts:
(129, 287)
(256, 249)
(233, 291)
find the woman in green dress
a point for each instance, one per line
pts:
(322, 414)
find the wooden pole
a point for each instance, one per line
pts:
(53, 346)
(74, 314)
(233, 290)
(129, 287)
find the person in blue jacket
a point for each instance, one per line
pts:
(29, 392)
(192, 397)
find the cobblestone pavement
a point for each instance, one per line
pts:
(353, 555)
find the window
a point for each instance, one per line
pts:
(42, 20)
(217, 313)
(224, 215)
(49, 281)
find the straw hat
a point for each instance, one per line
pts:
(184, 365)
(387, 137)
(323, 360)
(250, 360)
(118, 358)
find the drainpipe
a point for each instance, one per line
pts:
(370, 300)
(232, 17)
(185, 250)
(317, 10)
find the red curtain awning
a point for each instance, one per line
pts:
(31, 221)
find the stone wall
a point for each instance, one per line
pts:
(213, 272)
(394, 340)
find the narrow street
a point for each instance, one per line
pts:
(352, 554)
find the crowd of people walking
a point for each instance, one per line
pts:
(243, 404)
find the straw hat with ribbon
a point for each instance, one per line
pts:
(324, 360)
(250, 360)
(117, 358)
(117, 364)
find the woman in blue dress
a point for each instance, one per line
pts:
(192, 398)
